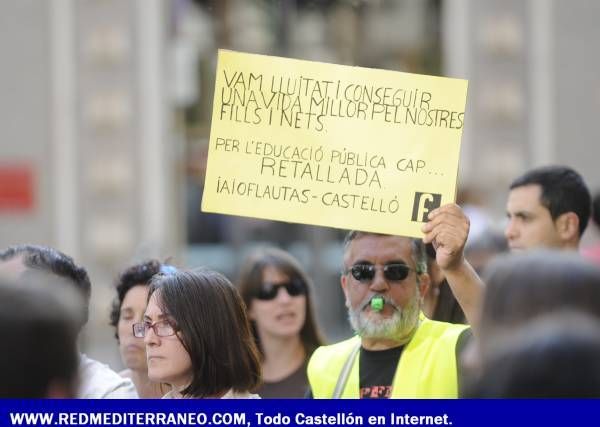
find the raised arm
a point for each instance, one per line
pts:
(448, 229)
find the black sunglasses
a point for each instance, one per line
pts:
(269, 291)
(366, 272)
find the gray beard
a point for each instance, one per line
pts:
(399, 327)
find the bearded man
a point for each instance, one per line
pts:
(397, 352)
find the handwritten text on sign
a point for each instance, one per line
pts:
(332, 145)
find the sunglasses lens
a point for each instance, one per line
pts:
(363, 272)
(396, 272)
(267, 291)
(295, 288)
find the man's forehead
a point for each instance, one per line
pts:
(525, 196)
(379, 247)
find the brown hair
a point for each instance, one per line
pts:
(214, 329)
(521, 287)
(250, 281)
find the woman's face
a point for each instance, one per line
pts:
(282, 316)
(132, 349)
(168, 361)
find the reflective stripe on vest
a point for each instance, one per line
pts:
(427, 367)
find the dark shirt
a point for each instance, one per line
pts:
(292, 386)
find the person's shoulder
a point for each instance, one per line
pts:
(98, 381)
(436, 327)
(231, 394)
(340, 345)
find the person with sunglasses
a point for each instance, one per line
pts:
(276, 291)
(398, 352)
(198, 338)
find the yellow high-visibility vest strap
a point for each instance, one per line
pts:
(325, 366)
(427, 367)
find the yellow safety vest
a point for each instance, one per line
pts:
(427, 367)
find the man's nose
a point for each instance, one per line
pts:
(379, 282)
(510, 231)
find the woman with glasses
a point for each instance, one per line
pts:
(128, 308)
(198, 338)
(277, 293)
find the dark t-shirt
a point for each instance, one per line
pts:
(377, 369)
(292, 386)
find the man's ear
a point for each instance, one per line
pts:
(567, 226)
(424, 282)
(344, 284)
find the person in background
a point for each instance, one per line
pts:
(521, 287)
(198, 338)
(593, 252)
(39, 327)
(439, 302)
(553, 356)
(547, 207)
(128, 308)
(277, 292)
(97, 381)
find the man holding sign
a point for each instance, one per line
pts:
(397, 352)
(363, 149)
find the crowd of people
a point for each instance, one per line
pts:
(426, 322)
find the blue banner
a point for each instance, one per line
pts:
(287, 412)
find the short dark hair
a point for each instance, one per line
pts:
(419, 254)
(137, 274)
(520, 287)
(553, 356)
(39, 327)
(563, 190)
(51, 261)
(250, 281)
(211, 316)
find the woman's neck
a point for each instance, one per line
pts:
(282, 357)
(146, 389)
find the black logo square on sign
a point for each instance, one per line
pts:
(425, 203)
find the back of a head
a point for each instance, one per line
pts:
(39, 327)
(554, 356)
(43, 263)
(523, 286)
(211, 316)
(563, 190)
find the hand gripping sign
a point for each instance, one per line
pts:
(332, 145)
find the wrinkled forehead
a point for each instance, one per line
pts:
(379, 249)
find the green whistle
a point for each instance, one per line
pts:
(377, 304)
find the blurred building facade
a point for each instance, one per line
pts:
(105, 116)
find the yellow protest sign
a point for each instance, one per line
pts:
(332, 145)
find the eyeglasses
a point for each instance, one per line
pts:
(269, 291)
(162, 328)
(366, 272)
